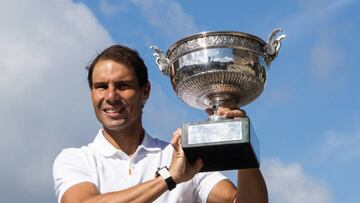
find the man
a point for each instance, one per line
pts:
(121, 165)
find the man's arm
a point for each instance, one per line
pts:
(179, 169)
(251, 187)
(87, 192)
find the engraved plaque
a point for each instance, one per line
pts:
(214, 132)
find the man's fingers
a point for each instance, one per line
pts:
(229, 113)
(176, 140)
(235, 113)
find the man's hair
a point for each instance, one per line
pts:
(124, 55)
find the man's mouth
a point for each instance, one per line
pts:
(112, 110)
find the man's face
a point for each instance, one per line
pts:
(116, 95)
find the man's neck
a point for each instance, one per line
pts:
(127, 140)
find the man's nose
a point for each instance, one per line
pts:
(111, 94)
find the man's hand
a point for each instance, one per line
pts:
(227, 112)
(180, 169)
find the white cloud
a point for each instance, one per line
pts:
(338, 4)
(44, 96)
(167, 16)
(315, 19)
(38, 35)
(339, 147)
(288, 183)
(312, 16)
(324, 7)
(110, 9)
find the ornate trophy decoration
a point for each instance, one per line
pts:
(220, 69)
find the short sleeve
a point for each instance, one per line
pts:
(71, 167)
(205, 182)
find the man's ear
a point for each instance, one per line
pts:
(146, 92)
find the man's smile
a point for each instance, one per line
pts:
(113, 110)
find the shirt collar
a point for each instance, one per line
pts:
(106, 149)
(149, 143)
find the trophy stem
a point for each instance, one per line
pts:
(217, 101)
(215, 116)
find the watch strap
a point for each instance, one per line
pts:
(164, 173)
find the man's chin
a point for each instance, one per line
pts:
(120, 125)
(114, 125)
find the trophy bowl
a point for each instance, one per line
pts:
(219, 69)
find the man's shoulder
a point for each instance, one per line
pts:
(158, 142)
(76, 150)
(74, 154)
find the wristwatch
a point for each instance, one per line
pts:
(164, 173)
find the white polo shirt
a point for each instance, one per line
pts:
(112, 170)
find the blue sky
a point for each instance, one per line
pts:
(307, 118)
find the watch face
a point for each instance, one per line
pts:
(157, 173)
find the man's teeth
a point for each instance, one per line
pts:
(112, 110)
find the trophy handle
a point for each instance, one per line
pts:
(161, 61)
(273, 45)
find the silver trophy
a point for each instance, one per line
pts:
(220, 69)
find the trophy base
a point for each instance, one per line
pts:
(223, 145)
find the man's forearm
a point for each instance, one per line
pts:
(251, 187)
(144, 192)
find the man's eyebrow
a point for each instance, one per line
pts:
(121, 82)
(99, 83)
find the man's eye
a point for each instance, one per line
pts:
(100, 86)
(122, 86)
